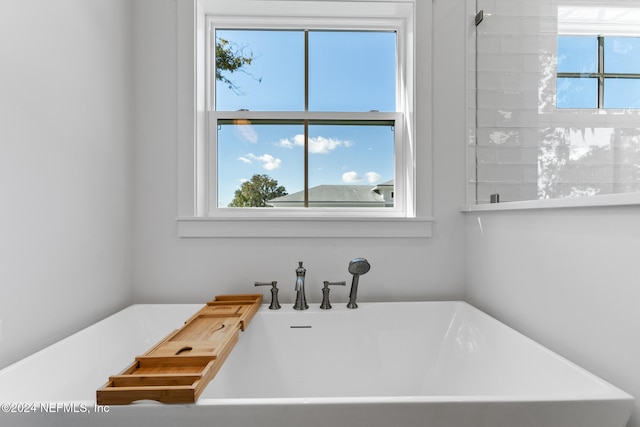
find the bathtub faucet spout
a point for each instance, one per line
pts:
(301, 300)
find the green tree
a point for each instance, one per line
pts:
(256, 192)
(231, 58)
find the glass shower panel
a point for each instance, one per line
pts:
(545, 120)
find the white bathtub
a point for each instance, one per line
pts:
(385, 364)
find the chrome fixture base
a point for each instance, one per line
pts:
(275, 305)
(326, 305)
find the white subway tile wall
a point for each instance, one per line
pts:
(520, 146)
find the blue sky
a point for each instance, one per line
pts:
(349, 71)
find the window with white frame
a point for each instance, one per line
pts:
(308, 115)
(320, 114)
(304, 118)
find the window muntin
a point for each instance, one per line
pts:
(598, 72)
(349, 74)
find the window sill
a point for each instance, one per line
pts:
(193, 227)
(606, 200)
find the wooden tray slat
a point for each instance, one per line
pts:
(178, 368)
(253, 298)
(134, 380)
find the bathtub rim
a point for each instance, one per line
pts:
(612, 393)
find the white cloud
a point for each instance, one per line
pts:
(268, 161)
(297, 141)
(322, 145)
(373, 177)
(317, 145)
(351, 177)
(244, 160)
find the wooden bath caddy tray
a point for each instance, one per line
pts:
(178, 368)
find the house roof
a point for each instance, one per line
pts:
(389, 183)
(333, 194)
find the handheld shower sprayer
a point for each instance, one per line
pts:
(357, 267)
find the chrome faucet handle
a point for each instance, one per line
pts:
(275, 305)
(326, 305)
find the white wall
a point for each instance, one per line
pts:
(172, 269)
(65, 158)
(568, 278)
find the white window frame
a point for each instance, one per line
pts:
(198, 215)
(210, 187)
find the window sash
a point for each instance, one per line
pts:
(310, 24)
(392, 119)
